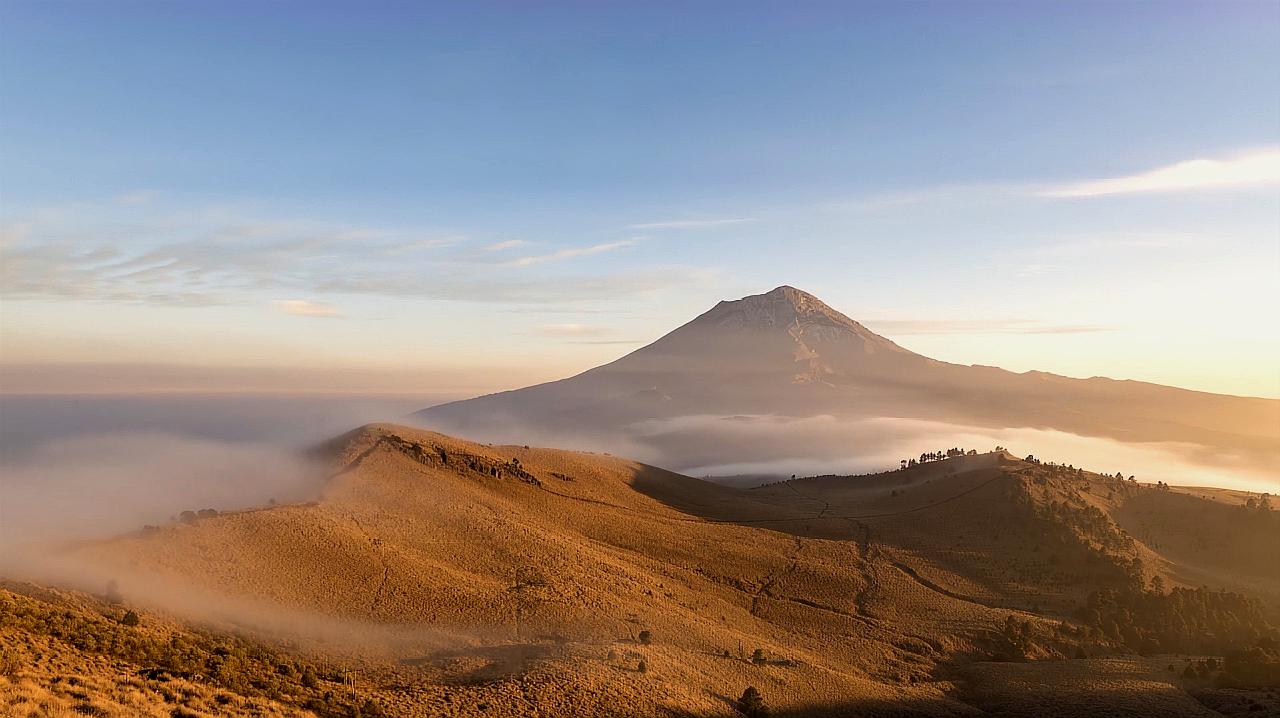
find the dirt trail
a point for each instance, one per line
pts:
(915, 575)
(763, 591)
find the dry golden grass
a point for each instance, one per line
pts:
(452, 578)
(1100, 687)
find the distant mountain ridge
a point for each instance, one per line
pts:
(786, 353)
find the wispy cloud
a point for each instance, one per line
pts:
(508, 244)
(307, 308)
(570, 252)
(903, 327)
(424, 244)
(221, 260)
(572, 330)
(690, 223)
(1253, 169)
(555, 290)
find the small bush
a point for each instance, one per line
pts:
(757, 657)
(751, 704)
(646, 637)
(643, 667)
(130, 618)
(309, 680)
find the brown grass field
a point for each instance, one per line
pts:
(439, 577)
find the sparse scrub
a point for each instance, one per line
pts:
(164, 661)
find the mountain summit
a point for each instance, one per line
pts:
(797, 312)
(787, 354)
(781, 307)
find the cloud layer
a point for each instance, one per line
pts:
(109, 483)
(778, 445)
(1255, 169)
(191, 263)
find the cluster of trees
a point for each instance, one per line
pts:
(1261, 504)
(1014, 642)
(1073, 531)
(190, 517)
(1257, 666)
(938, 456)
(1184, 620)
(1090, 523)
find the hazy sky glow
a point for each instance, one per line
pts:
(461, 198)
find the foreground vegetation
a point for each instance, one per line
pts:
(187, 671)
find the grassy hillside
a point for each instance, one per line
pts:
(445, 577)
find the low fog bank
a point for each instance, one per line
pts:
(746, 450)
(28, 422)
(782, 446)
(74, 467)
(112, 483)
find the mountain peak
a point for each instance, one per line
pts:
(798, 298)
(782, 306)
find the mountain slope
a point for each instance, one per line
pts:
(460, 578)
(786, 353)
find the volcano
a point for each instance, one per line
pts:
(786, 355)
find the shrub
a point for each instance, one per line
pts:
(751, 704)
(309, 680)
(646, 637)
(130, 618)
(757, 657)
(643, 667)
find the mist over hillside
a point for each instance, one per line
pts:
(392, 359)
(92, 466)
(431, 574)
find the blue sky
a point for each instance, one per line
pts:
(469, 196)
